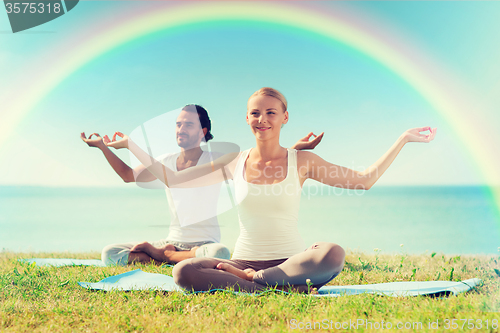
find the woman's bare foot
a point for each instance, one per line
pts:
(246, 274)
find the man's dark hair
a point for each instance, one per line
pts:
(204, 119)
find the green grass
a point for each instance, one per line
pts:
(44, 299)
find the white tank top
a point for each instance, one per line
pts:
(193, 210)
(268, 214)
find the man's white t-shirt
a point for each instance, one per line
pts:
(193, 211)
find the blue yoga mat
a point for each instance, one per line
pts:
(139, 280)
(57, 262)
(61, 262)
(134, 280)
(398, 289)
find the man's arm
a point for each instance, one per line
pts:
(129, 175)
(196, 176)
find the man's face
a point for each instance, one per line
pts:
(188, 130)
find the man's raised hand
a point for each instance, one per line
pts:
(96, 142)
(117, 144)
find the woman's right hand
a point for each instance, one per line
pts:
(97, 142)
(117, 144)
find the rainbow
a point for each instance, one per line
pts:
(329, 25)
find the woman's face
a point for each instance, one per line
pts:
(265, 116)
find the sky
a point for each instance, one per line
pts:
(361, 105)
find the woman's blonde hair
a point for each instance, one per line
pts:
(266, 91)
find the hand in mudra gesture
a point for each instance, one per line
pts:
(117, 144)
(96, 142)
(307, 143)
(415, 135)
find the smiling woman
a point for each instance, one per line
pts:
(270, 250)
(267, 108)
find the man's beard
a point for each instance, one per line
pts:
(186, 142)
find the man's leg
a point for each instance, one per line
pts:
(142, 257)
(174, 252)
(176, 256)
(119, 254)
(162, 252)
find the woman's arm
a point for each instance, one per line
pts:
(139, 174)
(314, 167)
(198, 176)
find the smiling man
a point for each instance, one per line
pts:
(194, 228)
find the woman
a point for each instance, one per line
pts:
(268, 181)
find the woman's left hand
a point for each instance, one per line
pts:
(414, 135)
(304, 143)
(122, 143)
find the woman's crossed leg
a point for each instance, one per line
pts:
(320, 263)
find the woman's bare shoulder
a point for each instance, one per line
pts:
(304, 156)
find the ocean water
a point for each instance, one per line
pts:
(442, 219)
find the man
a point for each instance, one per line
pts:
(194, 229)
